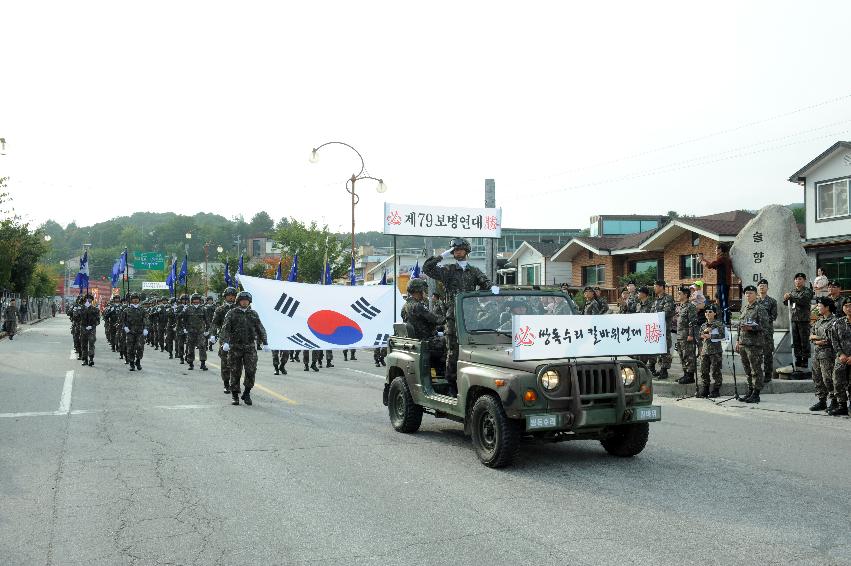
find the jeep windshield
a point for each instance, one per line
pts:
(492, 314)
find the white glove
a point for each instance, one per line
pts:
(88, 328)
(266, 347)
(495, 290)
(225, 347)
(145, 332)
(447, 254)
(206, 334)
(185, 331)
(212, 339)
(126, 330)
(440, 333)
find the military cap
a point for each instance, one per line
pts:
(660, 282)
(834, 283)
(209, 298)
(195, 296)
(631, 282)
(460, 244)
(828, 302)
(134, 296)
(804, 275)
(243, 295)
(172, 300)
(685, 290)
(711, 308)
(749, 288)
(184, 297)
(644, 289)
(763, 281)
(229, 291)
(417, 285)
(588, 288)
(116, 298)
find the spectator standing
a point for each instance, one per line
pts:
(10, 319)
(820, 283)
(798, 300)
(825, 357)
(723, 267)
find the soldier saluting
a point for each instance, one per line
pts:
(456, 279)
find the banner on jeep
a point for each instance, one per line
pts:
(418, 220)
(539, 337)
(300, 316)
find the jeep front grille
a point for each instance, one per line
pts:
(596, 380)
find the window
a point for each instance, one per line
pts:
(621, 227)
(594, 275)
(255, 248)
(832, 199)
(695, 239)
(531, 274)
(644, 266)
(690, 267)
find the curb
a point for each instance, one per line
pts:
(670, 388)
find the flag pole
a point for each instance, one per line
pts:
(395, 280)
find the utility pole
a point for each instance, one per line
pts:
(490, 243)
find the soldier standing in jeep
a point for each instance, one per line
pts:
(456, 279)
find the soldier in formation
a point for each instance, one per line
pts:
(687, 333)
(416, 313)
(209, 312)
(825, 356)
(592, 303)
(179, 334)
(218, 321)
(663, 302)
(89, 321)
(834, 289)
(712, 332)
(753, 326)
(279, 361)
(456, 279)
(840, 337)
(134, 323)
(193, 319)
(349, 353)
(798, 300)
(240, 332)
(770, 306)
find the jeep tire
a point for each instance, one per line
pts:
(495, 436)
(626, 440)
(405, 416)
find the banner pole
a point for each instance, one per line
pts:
(395, 280)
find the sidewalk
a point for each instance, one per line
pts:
(670, 388)
(3, 334)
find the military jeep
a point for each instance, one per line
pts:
(502, 402)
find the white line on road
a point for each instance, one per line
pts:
(16, 415)
(65, 401)
(94, 411)
(365, 373)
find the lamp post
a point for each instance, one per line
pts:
(360, 175)
(64, 285)
(206, 267)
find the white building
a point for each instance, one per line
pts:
(534, 264)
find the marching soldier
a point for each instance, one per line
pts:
(687, 331)
(170, 326)
(241, 330)
(841, 341)
(347, 353)
(209, 312)
(279, 361)
(456, 279)
(179, 334)
(89, 320)
(75, 326)
(135, 325)
(311, 357)
(193, 318)
(753, 324)
(770, 306)
(825, 357)
(154, 322)
(218, 320)
(162, 323)
(664, 303)
(712, 332)
(10, 319)
(294, 356)
(119, 331)
(798, 300)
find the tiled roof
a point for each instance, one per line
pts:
(546, 249)
(626, 242)
(723, 224)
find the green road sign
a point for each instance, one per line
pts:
(148, 261)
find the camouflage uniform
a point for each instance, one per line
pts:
(417, 314)
(218, 321)
(799, 302)
(455, 280)
(279, 361)
(752, 343)
(711, 353)
(770, 306)
(665, 303)
(121, 336)
(135, 320)
(438, 309)
(162, 324)
(179, 335)
(209, 312)
(75, 329)
(594, 306)
(840, 335)
(824, 359)
(154, 324)
(10, 320)
(641, 307)
(89, 316)
(687, 326)
(194, 322)
(170, 329)
(631, 305)
(242, 329)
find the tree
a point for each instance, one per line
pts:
(311, 243)
(798, 213)
(646, 277)
(261, 224)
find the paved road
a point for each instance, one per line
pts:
(103, 466)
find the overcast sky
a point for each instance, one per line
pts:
(575, 108)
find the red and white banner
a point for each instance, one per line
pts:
(419, 220)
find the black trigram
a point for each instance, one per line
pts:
(304, 342)
(287, 305)
(380, 340)
(363, 308)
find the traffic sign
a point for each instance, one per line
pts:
(149, 261)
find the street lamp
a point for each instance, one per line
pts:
(206, 270)
(380, 188)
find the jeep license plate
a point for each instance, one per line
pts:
(648, 413)
(535, 422)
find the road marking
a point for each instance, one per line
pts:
(65, 401)
(185, 407)
(366, 373)
(265, 390)
(16, 415)
(94, 411)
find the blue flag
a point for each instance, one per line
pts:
(352, 276)
(383, 278)
(415, 271)
(122, 263)
(115, 273)
(278, 275)
(228, 280)
(82, 278)
(184, 270)
(328, 279)
(239, 270)
(171, 276)
(293, 270)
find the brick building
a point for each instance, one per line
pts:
(671, 252)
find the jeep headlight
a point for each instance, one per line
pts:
(628, 376)
(550, 380)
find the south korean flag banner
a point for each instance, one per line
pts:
(300, 316)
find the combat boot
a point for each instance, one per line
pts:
(345, 355)
(92, 361)
(663, 373)
(686, 379)
(306, 368)
(329, 365)
(715, 393)
(313, 367)
(276, 370)
(745, 398)
(204, 366)
(354, 359)
(821, 405)
(170, 356)
(841, 410)
(227, 389)
(377, 364)
(283, 370)
(132, 367)
(246, 396)
(85, 362)
(181, 359)
(703, 392)
(138, 365)
(754, 398)
(383, 363)
(191, 366)
(235, 396)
